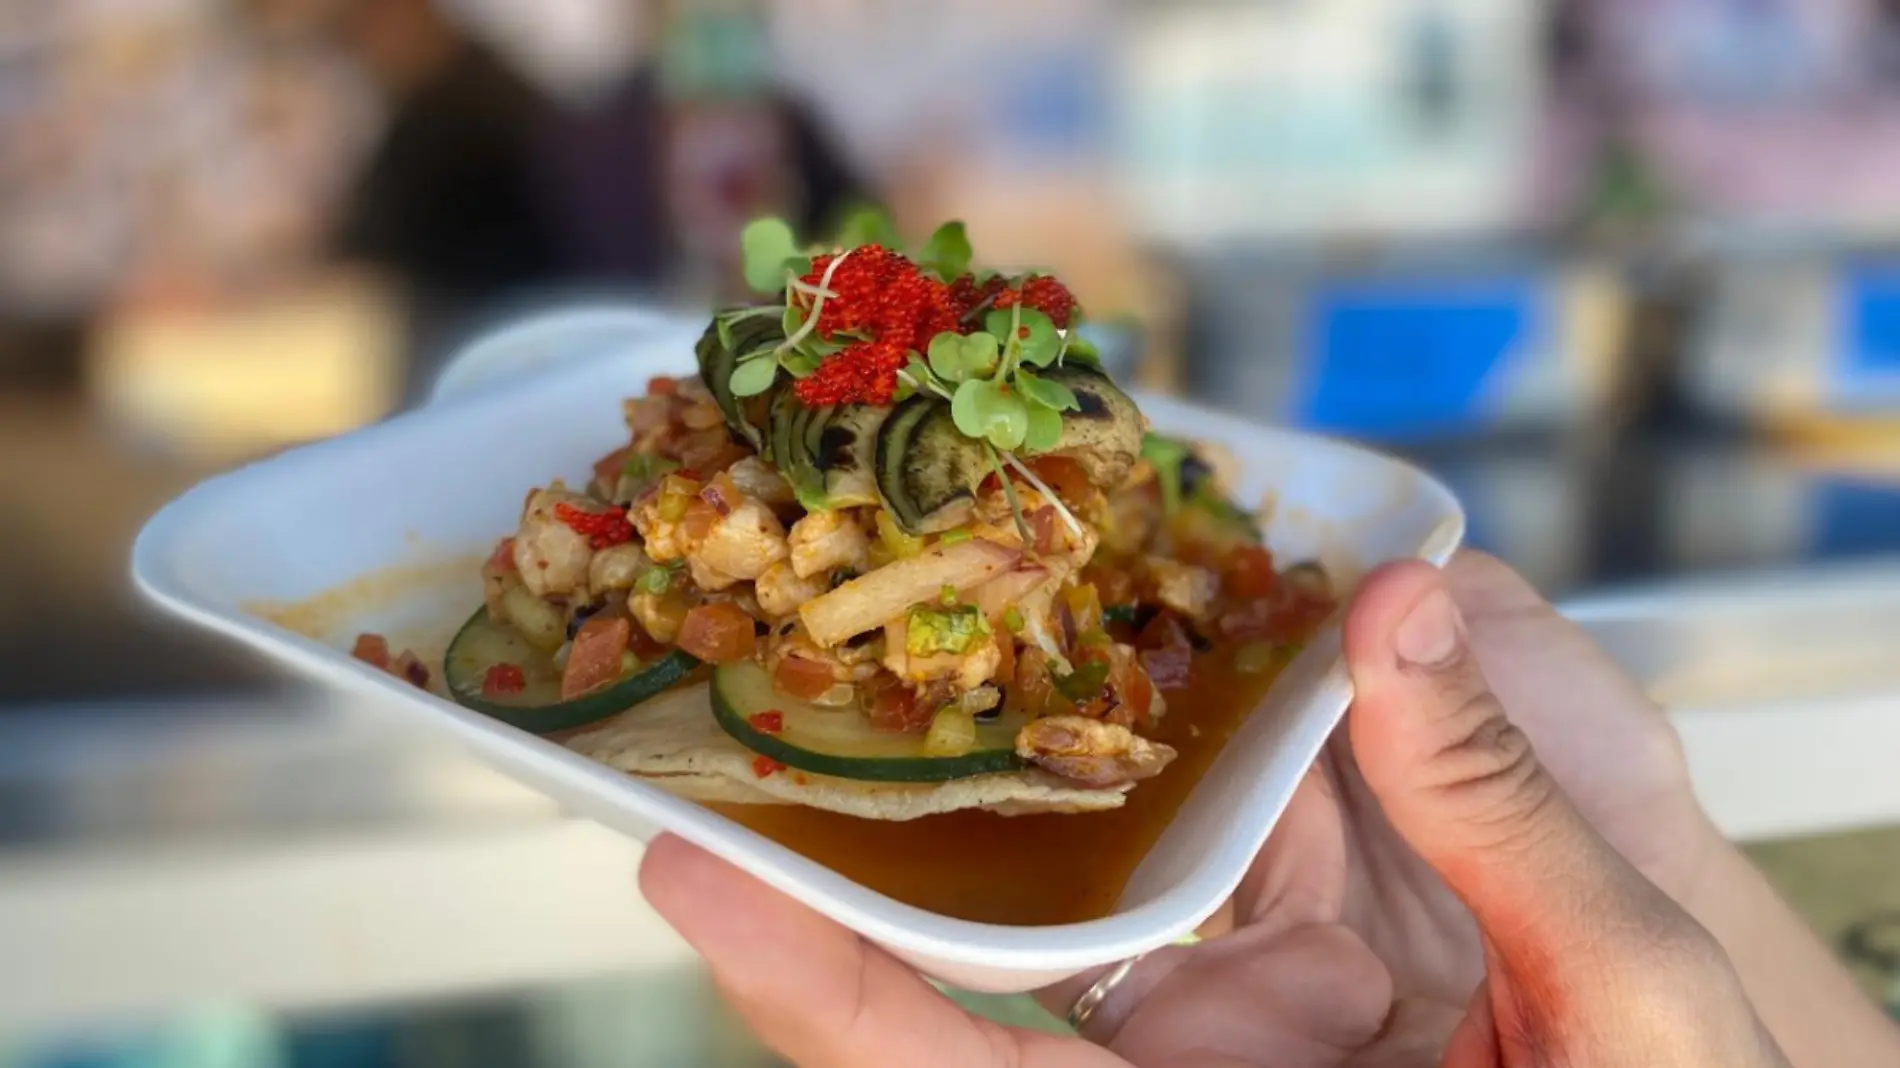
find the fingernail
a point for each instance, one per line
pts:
(1428, 636)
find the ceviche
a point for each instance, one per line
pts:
(900, 548)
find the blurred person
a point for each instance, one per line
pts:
(654, 181)
(1436, 893)
(448, 201)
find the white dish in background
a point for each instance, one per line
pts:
(428, 492)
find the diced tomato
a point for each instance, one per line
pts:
(644, 645)
(771, 721)
(1006, 656)
(894, 708)
(1166, 653)
(1254, 619)
(594, 659)
(502, 560)
(662, 386)
(1307, 611)
(1042, 529)
(409, 667)
(718, 633)
(764, 767)
(798, 677)
(503, 679)
(1133, 688)
(1113, 585)
(1065, 476)
(372, 649)
(1288, 616)
(1249, 572)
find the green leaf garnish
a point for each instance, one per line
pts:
(792, 319)
(1081, 350)
(821, 348)
(982, 409)
(951, 629)
(658, 578)
(947, 252)
(917, 375)
(1043, 342)
(1045, 429)
(1085, 683)
(955, 357)
(767, 244)
(1009, 494)
(1047, 393)
(724, 321)
(1028, 335)
(869, 226)
(753, 377)
(798, 363)
(1167, 455)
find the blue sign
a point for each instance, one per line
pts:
(1869, 357)
(1412, 360)
(1853, 518)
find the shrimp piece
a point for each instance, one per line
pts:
(825, 541)
(781, 590)
(1091, 752)
(551, 557)
(742, 544)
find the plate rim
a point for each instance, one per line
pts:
(915, 931)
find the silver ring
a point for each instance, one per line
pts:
(1098, 992)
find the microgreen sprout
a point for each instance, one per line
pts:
(986, 365)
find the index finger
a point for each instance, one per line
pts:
(816, 992)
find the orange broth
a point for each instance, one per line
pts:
(1029, 870)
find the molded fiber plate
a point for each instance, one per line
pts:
(429, 490)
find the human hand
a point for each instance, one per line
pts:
(1335, 861)
(1338, 918)
(1585, 960)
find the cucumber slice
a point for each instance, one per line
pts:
(785, 420)
(482, 643)
(1104, 436)
(841, 742)
(744, 415)
(844, 452)
(926, 467)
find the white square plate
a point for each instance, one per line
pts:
(428, 492)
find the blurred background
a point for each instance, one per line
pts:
(1625, 272)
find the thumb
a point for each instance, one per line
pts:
(1461, 784)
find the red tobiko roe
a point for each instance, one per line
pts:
(1051, 298)
(863, 373)
(601, 529)
(880, 293)
(1045, 295)
(883, 294)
